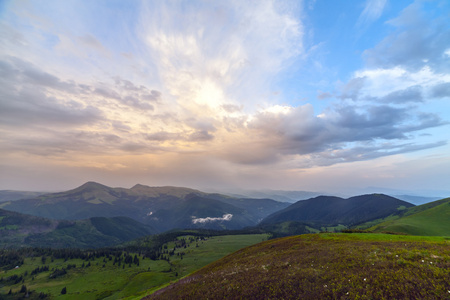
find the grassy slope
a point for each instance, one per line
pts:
(113, 282)
(431, 219)
(325, 266)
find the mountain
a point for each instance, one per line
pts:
(20, 230)
(334, 210)
(431, 219)
(9, 195)
(162, 207)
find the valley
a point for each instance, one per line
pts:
(114, 273)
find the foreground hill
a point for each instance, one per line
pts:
(335, 210)
(431, 219)
(20, 230)
(160, 207)
(325, 266)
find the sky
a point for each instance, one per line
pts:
(316, 95)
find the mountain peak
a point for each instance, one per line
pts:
(92, 184)
(139, 186)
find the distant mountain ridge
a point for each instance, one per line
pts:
(336, 210)
(21, 230)
(10, 195)
(163, 208)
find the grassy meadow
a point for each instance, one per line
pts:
(325, 266)
(105, 279)
(420, 221)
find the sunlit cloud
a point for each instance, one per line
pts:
(194, 91)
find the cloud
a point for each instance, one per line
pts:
(369, 151)
(418, 41)
(175, 88)
(331, 137)
(201, 136)
(351, 90)
(323, 95)
(210, 55)
(226, 217)
(372, 11)
(441, 90)
(410, 94)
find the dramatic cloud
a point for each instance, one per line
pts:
(198, 92)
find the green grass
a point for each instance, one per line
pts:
(434, 221)
(339, 227)
(114, 282)
(325, 266)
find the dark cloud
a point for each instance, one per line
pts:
(107, 93)
(352, 89)
(419, 40)
(410, 94)
(129, 94)
(29, 106)
(120, 126)
(323, 95)
(345, 133)
(162, 136)
(24, 99)
(200, 136)
(19, 72)
(441, 90)
(20, 75)
(56, 143)
(364, 152)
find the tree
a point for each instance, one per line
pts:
(23, 289)
(63, 291)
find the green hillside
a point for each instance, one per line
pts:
(431, 219)
(325, 266)
(21, 230)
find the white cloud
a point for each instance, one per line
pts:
(372, 11)
(212, 55)
(225, 217)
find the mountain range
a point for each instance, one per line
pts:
(163, 208)
(95, 215)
